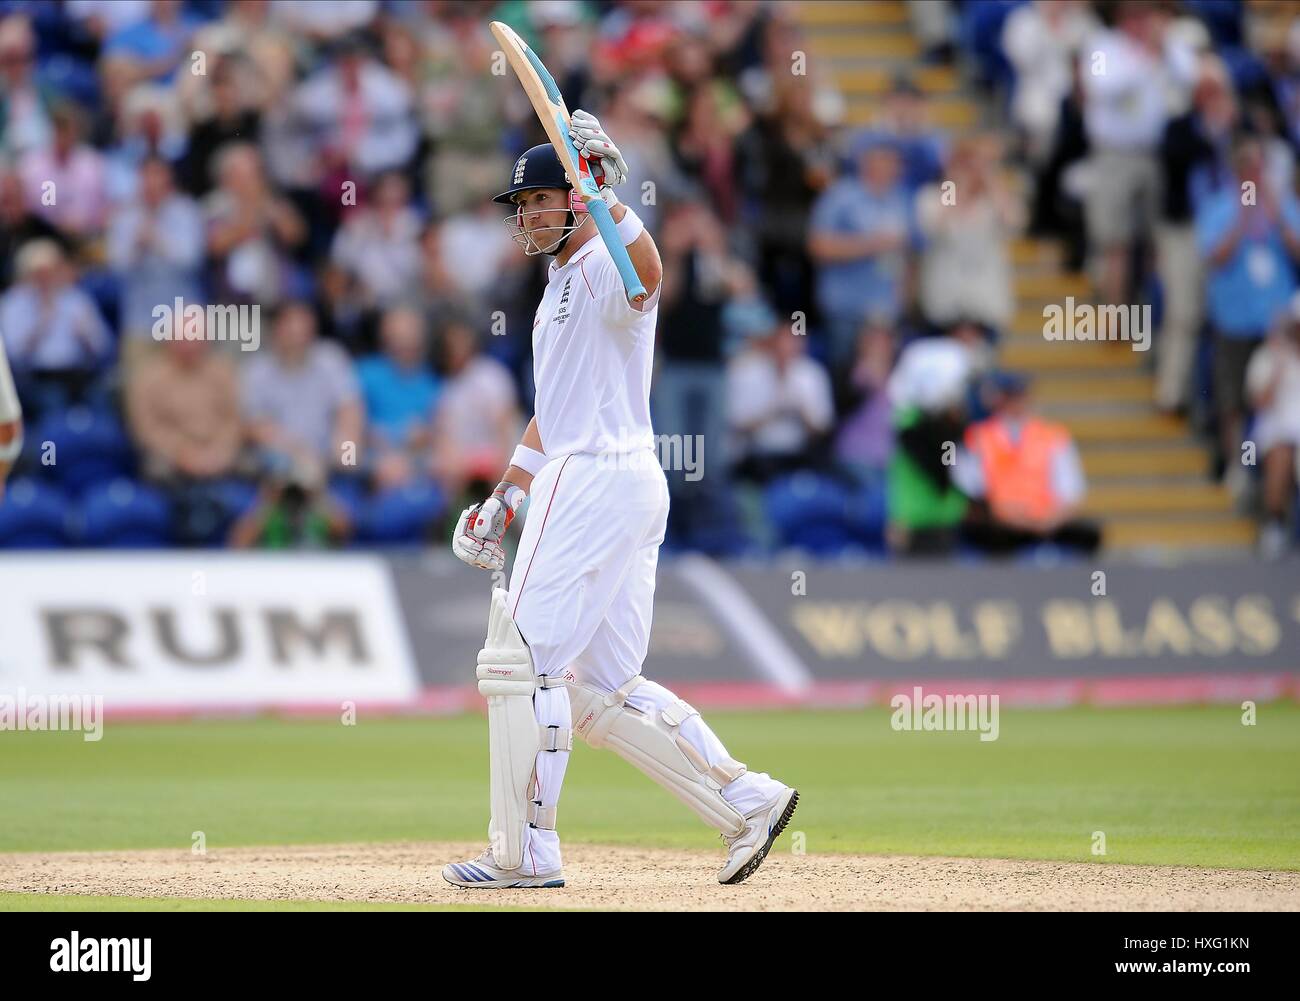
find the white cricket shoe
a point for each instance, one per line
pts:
(746, 851)
(483, 873)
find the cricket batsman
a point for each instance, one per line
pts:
(11, 420)
(566, 642)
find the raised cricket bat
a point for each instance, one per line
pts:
(548, 102)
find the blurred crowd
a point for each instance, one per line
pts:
(830, 316)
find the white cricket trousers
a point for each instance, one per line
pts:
(582, 594)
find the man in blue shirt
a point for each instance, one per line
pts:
(1249, 238)
(400, 393)
(859, 239)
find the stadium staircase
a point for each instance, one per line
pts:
(1147, 473)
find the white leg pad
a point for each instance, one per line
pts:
(507, 680)
(656, 746)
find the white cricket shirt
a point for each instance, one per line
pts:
(593, 356)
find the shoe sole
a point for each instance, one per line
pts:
(528, 883)
(750, 867)
(520, 884)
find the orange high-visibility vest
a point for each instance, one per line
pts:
(1018, 472)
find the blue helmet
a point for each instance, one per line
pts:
(540, 167)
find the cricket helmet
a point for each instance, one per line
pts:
(540, 167)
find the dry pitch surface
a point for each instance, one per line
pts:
(618, 877)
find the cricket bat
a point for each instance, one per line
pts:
(548, 102)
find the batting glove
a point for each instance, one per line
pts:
(591, 142)
(480, 529)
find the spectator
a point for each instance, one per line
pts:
(64, 180)
(401, 396)
(301, 399)
(102, 19)
(779, 404)
(317, 22)
(379, 245)
(149, 126)
(251, 231)
(784, 161)
(478, 422)
(53, 332)
(155, 245)
(360, 113)
(705, 148)
(690, 383)
(461, 103)
(153, 47)
(18, 224)
(1273, 384)
(1125, 113)
(928, 393)
(1195, 157)
(471, 256)
(864, 440)
(966, 266)
(1041, 40)
(25, 105)
(182, 405)
(1025, 479)
(232, 118)
(861, 230)
(1249, 252)
(904, 124)
(293, 511)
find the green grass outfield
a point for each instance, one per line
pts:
(1182, 786)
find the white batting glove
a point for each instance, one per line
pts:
(591, 142)
(480, 529)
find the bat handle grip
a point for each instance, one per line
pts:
(609, 233)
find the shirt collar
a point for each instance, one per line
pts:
(555, 267)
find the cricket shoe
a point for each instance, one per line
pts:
(484, 873)
(746, 851)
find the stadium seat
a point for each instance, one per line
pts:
(90, 448)
(123, 514)
(401, 515)
(809, 512)
(867, 515)
(981, 31)
(349, 492)
(33, 515)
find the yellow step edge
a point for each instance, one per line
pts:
(1120, 427)
(1116, 389)
(1026, 251)
(956, 114)
(1180, 460)
(1053, 286)
(1140, 533)
(1157, 498)
(811, 12)
(847, 45)
(935, 80)
(1033, 356)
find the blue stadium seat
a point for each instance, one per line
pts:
(90, 448)
(33, 515)
(349, 492)
(404, 514)
(981, 35)
(867, 515)
(810, 512)
(124, 514)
